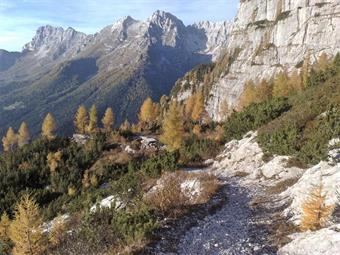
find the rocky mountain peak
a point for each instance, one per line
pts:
(165, 19)
(123, 23)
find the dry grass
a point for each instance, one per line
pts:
(172, 200)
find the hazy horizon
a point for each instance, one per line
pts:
(19, 19)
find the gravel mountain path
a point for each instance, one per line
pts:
(225, 225)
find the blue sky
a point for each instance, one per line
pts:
(19, 19)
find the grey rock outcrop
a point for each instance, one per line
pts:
(270, 35)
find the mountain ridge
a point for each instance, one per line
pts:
(124, 63)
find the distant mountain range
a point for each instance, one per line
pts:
(118, 67)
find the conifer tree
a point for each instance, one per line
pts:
(198, 108)
(189, 106)
(93, 120)
(4, 234)
(315, 213)
(248, 95)
(10, 140)
(53, 160)
(263, 91)
(81, 120)
(173, 128)
(48, 127)
(197, 130)
(295, 82)
(108, 120)
(306, 68)
(125, 126)
(147, 111)
(23, 135)
(224, 110)
(58, 231)
(281, 85)
(25, 230)
(323, 62)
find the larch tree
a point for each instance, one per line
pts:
(173, 129)
(224, 109)
(58, 231)
(323, 62)
(189, 106)
(263, 91)
(48, 127)
(23, 135)
(295, 82)
(10, 140)
(25, 230)
(281, 85)
(125, 126)
(315, 213)
(198, 108)
(306, 68)
(248, 95)
(108, 120)
(53, 160)
(93, 120)
(146, 113)
(4, 234)
(81, 120)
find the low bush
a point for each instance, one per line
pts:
(253, 117)
(196, 150)
(159, 163)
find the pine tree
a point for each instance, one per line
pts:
(24, 135)
(25, 230)
(4, 234)
(108, 120)
(315, 213)
(198, 108)
(48, 127)
(81, 120)
(93, 120)
(173, 128)
(10, 140)
(281, 85)
(248, 95)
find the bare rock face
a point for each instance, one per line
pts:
(270, 35)
(216, 34)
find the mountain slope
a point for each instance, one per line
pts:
(269, 36)
(118, 67)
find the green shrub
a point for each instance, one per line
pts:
(254, 116)
(197, 150)
(154, 166)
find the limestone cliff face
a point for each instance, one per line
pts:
(270, 35)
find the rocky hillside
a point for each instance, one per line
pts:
(119, 67)
(269, 36)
